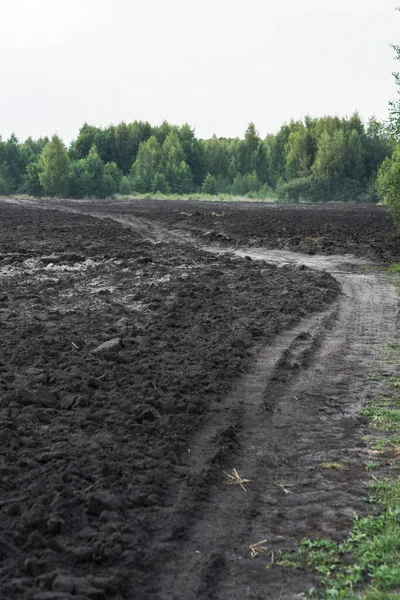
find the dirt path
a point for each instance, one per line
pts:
(312, 380)
(296, 411)
(146, 228)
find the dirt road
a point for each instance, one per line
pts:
(296, 411)
(280, 425)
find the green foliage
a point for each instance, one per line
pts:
(55, 166)
(146, 165)
(31, 184)
(242, 184)
(160, 184)
(394, 106)
(91, 178)
(209, 185)
(300, 153)
(388, 180)
(125, 187)
(4, 187)
(394, 268)
(388, 183)
(181, 180)
(313, 160)
(111, 170)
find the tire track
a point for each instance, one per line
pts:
(294, 412)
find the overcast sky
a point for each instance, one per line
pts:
(216, 64)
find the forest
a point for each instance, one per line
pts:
(314, 159)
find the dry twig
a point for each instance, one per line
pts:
(235, 479)
(258, 547)
(285, 487)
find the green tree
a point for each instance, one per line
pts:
(329, 161)
(111, 180)
(388, 184)
(146, 165)
(247, 151)
(55, 164)
(125, 187)
(275, 145)
(243, 184)
(378, 144)
(300, 152)
(210, 185)
(394, 106)
(172, 152)
(86, 139)
(113, 171)
(173, 165)
(31, 184)
(160, 184)
(182, 179)
(12, 164)
(388, 179)
(91, 178)
(217, 157)
(193, 152)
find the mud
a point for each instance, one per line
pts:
(137, 369)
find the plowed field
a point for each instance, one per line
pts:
(147, 350)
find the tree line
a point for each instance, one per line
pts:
(314, 159)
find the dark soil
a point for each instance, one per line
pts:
(113, 353)
(362, 230)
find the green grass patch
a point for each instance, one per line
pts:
(369, 557)
(198, 197)
(394, 268)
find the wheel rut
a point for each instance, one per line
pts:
(294, 414)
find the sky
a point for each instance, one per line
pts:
(215, 64)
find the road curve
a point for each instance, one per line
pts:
(296, 411)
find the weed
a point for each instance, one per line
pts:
(370, 466)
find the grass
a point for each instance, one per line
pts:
(196, 197)
(369, 555)
(394, 268)
(367, 564)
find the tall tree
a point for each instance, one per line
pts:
(300, 153)
(55, 168)
(146, 165)
(388, 184)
